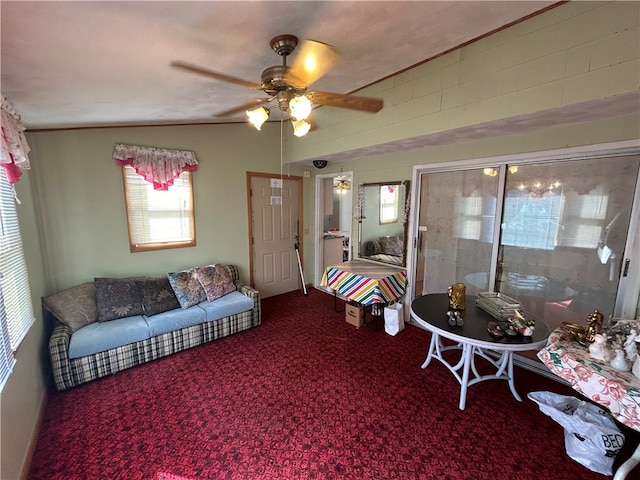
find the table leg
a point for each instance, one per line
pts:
(627, 466)
(467, 355)
(512, 386)
(432, 348)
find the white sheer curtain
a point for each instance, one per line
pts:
(158, 166)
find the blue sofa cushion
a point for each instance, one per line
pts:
(230, 304)
(101, 336)
(175, 320)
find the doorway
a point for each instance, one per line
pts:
(275, 224)
(334, 215)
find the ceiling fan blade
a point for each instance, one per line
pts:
(313, 60)
(245, 106)
(218, 76)
(365, 104)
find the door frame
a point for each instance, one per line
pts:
(319, 222)
(249, 176)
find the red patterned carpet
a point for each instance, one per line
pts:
(304, 396)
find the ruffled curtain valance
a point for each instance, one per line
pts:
(14, 148)
(156, 165)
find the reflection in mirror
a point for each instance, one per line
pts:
(382, 212)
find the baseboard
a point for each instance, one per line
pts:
(33, 441)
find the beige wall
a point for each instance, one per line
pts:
(571, 55)
(399, 166)
(82, 209)
(578, 52)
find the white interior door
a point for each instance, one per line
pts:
(275, 220)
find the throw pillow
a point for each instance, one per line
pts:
(75, 307)
(187, 288)
(215, 280)
(391, 245)
(118, 298)
(158, 296)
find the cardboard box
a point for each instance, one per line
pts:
(354, 314)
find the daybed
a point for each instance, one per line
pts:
(111, 324)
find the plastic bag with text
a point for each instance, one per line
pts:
(591, 437)
(393, 319)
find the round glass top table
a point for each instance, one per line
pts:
(472, 339)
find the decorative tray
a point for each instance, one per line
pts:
(497, 304)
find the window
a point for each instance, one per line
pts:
(530, 221)
(159, 219)
(16, 310)
(388, 204)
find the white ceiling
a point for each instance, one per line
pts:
(98, 63)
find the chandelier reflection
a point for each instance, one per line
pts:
(536, 188)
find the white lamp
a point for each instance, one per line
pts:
(299, 107)
(300, 127)
(258, 116)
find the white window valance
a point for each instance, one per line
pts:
(14, 148)
(158, 166)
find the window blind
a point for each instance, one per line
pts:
(159, 216)
(16, 309)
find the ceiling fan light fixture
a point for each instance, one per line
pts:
(343, 187)
(258, 116)
(299, 107)
(300, 127)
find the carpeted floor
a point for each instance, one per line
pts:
(304, 396)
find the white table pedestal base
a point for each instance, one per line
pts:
(503, 364)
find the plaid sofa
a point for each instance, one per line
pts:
(68, 372)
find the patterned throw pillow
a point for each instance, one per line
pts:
(75, 307)
(215, 280)
(392, 245)
(118, 298)
(158, 296)
(187, 288)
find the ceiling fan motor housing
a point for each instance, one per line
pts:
(283, 45)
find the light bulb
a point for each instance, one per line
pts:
(258, 116)
(300, 107)
(300, 128)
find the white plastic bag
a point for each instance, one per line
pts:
(393, 319)
(591, 437)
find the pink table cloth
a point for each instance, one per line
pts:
(618, 391)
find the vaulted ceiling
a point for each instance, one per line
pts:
(107, 63)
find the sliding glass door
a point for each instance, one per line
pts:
(456, 233)
(552, 235)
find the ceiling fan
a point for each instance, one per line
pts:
(288, 85)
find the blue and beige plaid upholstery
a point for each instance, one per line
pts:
(68, 373)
